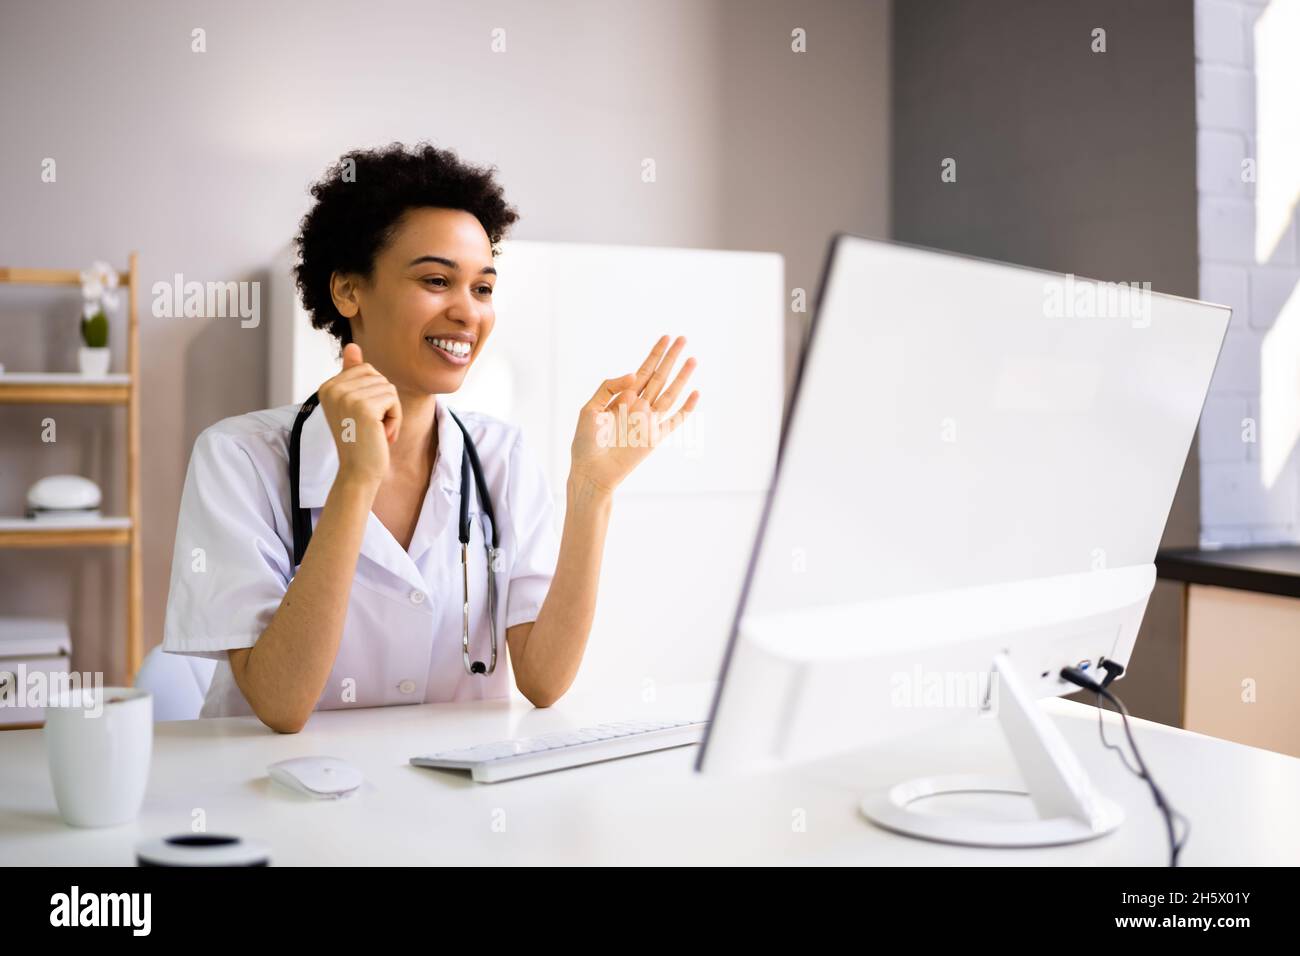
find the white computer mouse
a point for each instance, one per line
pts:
(317, 776)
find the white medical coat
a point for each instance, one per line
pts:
(402, 635)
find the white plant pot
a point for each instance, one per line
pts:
(93, 362)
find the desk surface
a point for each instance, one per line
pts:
(1268, 570)
(650, 809)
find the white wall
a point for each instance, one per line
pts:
(201, 162)
(1248, 112)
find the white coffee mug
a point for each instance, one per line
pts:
(99, 742)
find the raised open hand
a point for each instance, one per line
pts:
(629, 416)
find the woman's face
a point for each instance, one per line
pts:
(426, 312)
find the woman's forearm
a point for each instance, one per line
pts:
(558, 638)
(283, 674)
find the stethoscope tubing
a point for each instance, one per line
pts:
(469, 464)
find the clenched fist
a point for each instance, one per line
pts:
(364, 416)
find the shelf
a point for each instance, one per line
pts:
(73, 388)
(65, 388)
(20, 532)
(50, 276)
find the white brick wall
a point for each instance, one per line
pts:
(1260, 280)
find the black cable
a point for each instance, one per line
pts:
(1172, 816)
(1112, 670)
(1101, 731)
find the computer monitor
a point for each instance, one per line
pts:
(976, 466)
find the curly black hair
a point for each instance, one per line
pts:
(359, 202)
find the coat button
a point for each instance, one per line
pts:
(417, 597)
(407, 687)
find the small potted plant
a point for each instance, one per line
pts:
(98, 293)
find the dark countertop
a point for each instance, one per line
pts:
(1269, 570)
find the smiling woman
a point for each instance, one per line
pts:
(351, 583)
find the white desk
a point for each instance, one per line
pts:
(651, 809)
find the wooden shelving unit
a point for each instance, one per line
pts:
(32, 388)
(70, 388)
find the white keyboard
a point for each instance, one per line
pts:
(507, 759)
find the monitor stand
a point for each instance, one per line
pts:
(1069, 809)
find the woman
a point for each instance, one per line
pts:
(396, 261)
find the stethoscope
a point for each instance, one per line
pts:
(468, 462)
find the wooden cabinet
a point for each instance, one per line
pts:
(1241, 653)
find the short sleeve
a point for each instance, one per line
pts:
(532, 516)
(230, 569)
